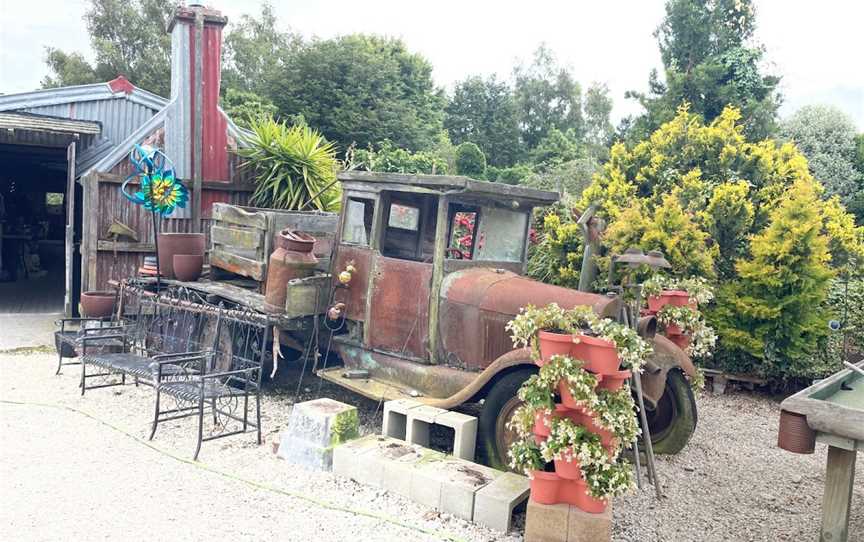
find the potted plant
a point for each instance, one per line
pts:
(685, 327)
(537, 394)
(631, 349)
(570, 446)
(525, 457)
(575, 385)
(661, 291)
(602, 482)
(614, 417)
(547, 330)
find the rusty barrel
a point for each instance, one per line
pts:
(292, 259)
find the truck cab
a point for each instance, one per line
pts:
(427, 271)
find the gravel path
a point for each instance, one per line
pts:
(69, 476)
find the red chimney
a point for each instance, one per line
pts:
(195, 137)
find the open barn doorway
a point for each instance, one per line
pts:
(36, 206)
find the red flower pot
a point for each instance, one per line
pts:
(97, 304)
(613, 381)
(676, 298)
(600, 356)
(568, 470)
(674, 329)
(681, 341)
(553, 344)
(177, 243)
(187, 267)
(574, 414)
(566, 397)
(586, 502)
(544, 487)
(607, 439)
(542, 425)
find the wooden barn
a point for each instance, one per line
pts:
(64, 224)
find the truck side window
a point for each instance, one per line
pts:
(462, 239)
(409, 226)
(357, 228)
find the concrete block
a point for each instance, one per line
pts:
(396, 417)
(419, 420)
(585, 527)
(314, 428)
(425, 486)
(461, 481)
(547, 522)
(345, 455)
(465, 433)
(494, 503)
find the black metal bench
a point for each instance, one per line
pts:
(68, 338)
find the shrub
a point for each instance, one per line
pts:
(391, 159)
(470, 161)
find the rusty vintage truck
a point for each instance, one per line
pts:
(424, 312)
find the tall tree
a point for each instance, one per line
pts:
(255, 52)
(710, 61)
(362, 89)
(597, 110)
(548, 97)
(484, 112)
(128, 38)
(826, 136)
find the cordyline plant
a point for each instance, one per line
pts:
(295, 167)
(632, 349)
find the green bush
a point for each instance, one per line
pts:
(470, 161)
(391, 159)
(508, 175)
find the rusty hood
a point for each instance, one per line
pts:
(504, 292)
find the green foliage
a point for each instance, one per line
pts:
(826, 136)
(557, 258)
(597, 109)
(388, 158)
(362, 89)
(773, 312)
(547, 96)
(483, 111)
(508, 175)
(295, 167)
(470, 160)
(244, 108)
(556, 148)
(568, 178)
(128, 38)
(709, 62)
(728, 218)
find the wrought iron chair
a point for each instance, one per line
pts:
(223, 380)
(164, 328)
(68, 338)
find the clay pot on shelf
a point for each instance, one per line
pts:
(568, 470)
(544, 487)
(600, 356)
(586, 502)
(552, 344)
(676, 298)
(97, 304)
(614, 381)
(177, 243)
(291, 259)
(187, 267)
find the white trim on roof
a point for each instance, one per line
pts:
(78, 93)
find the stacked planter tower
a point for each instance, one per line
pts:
(674, 298)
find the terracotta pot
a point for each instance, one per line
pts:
(187, 267)
(574, 414)
(600, 356)
(607, 439)
(553, 344)
(674, 329)
(177, 243)
(794, 434)
(542, 423)
(676, 298)
(97, 304)
(567, 398)
(544, 487)
(586, 502)
(681, 341)
(568, 470)
(613, 381)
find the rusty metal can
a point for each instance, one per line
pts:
(291, 259)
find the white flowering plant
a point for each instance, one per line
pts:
(525, 456)
(615, 411)
(702, 336)
(697, 287)
(610, 479)
(570, 442)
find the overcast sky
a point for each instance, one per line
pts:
(817, 47)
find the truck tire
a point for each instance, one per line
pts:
(673, 421)
(500, 403)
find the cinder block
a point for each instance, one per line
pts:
(547, 522)
(426, 481)
(460, 484)
(419, 420)
(494, 503)
(465, 433)
(396, 417)
(314, 428)
(345, 456)
(585, 527)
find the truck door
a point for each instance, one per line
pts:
(401, 278)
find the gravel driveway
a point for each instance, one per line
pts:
(64, 475)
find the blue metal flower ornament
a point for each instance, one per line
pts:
(159, 190)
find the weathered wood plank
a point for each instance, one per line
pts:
(104, 245)
(233, 214)
(839, 479)
(237, 237)
(238, 264)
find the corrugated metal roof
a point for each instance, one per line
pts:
(29, 121)
(121, 108)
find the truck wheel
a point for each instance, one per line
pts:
(501, 401)
(673, 421)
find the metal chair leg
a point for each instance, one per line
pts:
(59, 363)
(258, 414)
(83, 377)
(200, 427)
(155, 416)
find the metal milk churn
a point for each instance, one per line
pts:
(292, 259)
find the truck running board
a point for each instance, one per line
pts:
(369, 387)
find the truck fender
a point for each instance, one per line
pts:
(474, 390)
(666, 356)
